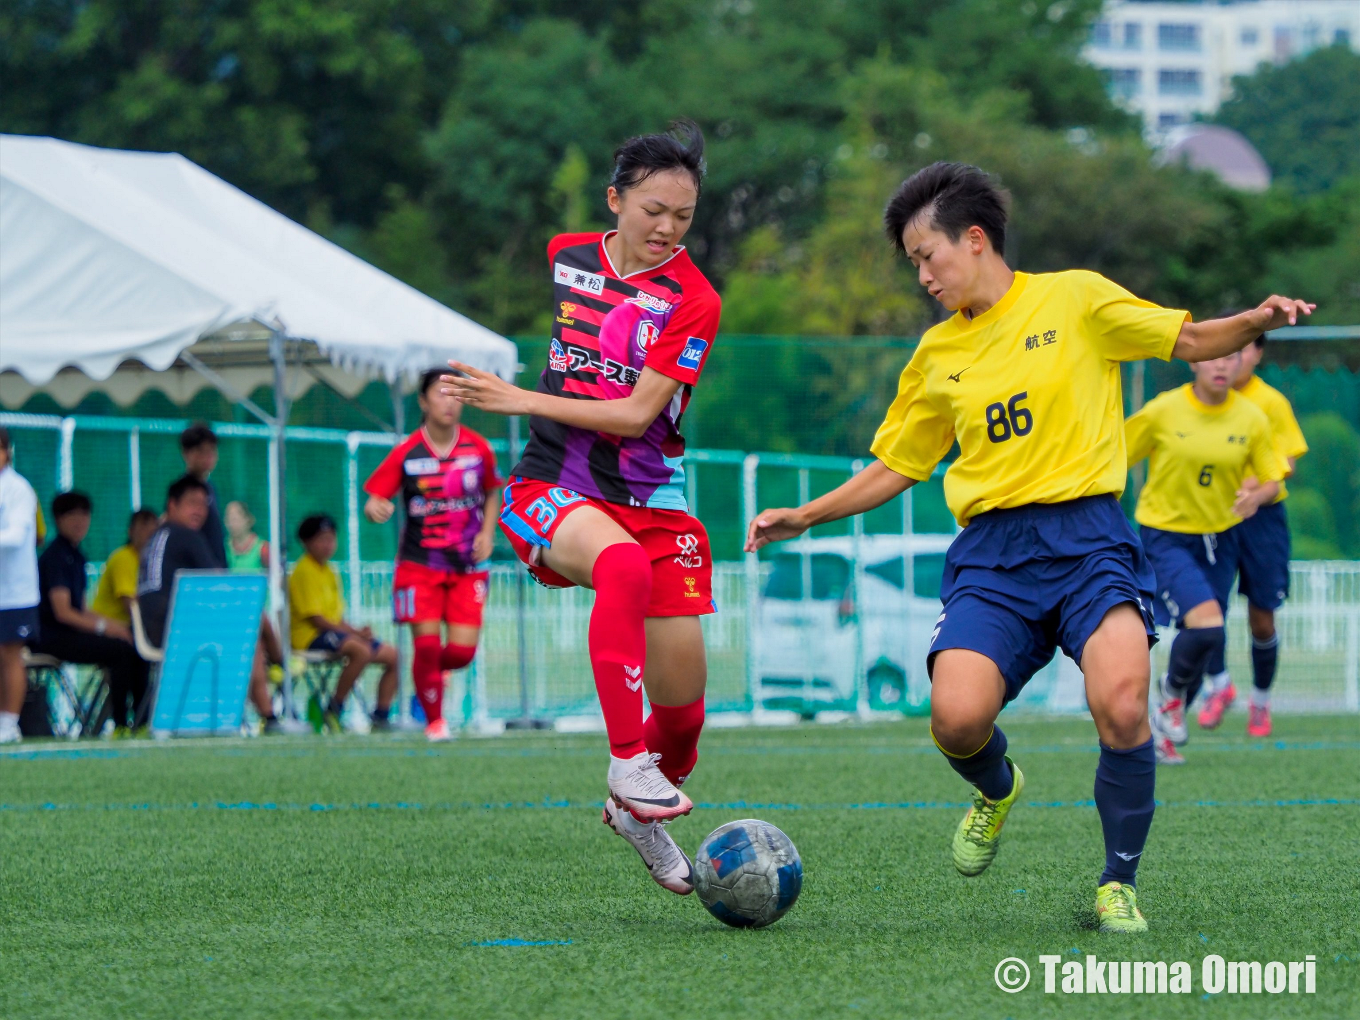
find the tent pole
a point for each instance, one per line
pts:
(278, 524)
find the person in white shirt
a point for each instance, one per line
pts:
(18, 586)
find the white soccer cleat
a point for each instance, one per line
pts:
(1162, 743)
(438, 732)
(638, 786)
(669, 866)
(1171, 713)
(10, 734)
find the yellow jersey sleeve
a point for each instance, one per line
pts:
(313, 590)
(1138, 434)
(1263, 457)
(1289, 441)
(119, 581)
(915, 435)
(1124, 327)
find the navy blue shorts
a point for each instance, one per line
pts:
(331, 640)
(1263, 557)
(1020, 583)
(19, 625)
(1190, 569)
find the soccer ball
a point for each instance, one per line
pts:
(748, 873)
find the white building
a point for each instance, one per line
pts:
(1171, 61)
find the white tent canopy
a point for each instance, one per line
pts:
(114, 259)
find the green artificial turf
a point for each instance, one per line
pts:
(371, 877)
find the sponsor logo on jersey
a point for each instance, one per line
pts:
(692, 354)
(690, 588)
(557, 357)
(578, 279)
(618, 372)
(651, 301)
(422, 466)
(647, 333)
(689, 557)
(568, 309)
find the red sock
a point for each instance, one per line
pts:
(428, 677)
(672, 731)
(618, 642)
(456, 656)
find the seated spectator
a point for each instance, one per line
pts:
(245, 549)
(19, 516)
(317, 623)
(118, 584)
(179, 545)
(71, 632)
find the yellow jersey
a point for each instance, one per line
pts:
(1284, 427)
(119, 581)
(1198, 456)
(1030, 388)
(313, 590)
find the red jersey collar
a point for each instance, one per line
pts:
(606, 260)
(429, 441)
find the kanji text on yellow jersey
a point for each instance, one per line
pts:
(1198, 454)
(1030, 388)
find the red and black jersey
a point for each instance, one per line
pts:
(606, 329)
(444, 496)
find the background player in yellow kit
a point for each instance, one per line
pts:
(1203, 441)
(1025, 375)
(1263, 559)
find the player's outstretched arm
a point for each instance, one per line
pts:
(627, 416)
(1217, 338)
(872, 487)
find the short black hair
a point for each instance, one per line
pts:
(197, 435)
(142, 515)
(315, 525)
(64, 503)
(954, 196)
(680, 148)
(429, 377)
(4, 438)
(181, 486)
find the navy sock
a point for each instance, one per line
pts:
(1264, 655)
(1190, 652)
(1125, 784)
(1217, 663)
(986, 767)
(381, 714)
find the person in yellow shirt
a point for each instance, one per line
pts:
(317, 623)
(1025, 375)
(1204, 441)
(1263, 560)
(118, 583)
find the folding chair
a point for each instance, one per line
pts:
(88, 708)
(321, 670)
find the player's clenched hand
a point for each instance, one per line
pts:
(1276, 311)
(484, 389)
(774, 526)
(1247, 501)
(379, 510)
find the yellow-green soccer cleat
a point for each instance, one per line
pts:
(1117, 908)
(979, 834)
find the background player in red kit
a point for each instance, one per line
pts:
(598, 498)
(446, 474)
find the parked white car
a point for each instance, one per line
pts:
(823, 625)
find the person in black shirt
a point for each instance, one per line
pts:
(178, 544)
(71, 632)
(198, 447)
